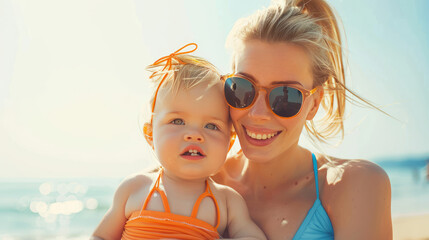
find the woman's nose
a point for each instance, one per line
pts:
(259, 110)
(194, 137)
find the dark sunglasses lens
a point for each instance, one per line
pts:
(285, 101)
(239, 92)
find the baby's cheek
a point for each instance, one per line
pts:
(222, 143)
(164, 140)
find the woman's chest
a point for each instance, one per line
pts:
(280, 217)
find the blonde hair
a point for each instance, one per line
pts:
(313, 25)
(187, 71)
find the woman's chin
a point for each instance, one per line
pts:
(256, 155)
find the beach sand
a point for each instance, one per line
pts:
(411, 227)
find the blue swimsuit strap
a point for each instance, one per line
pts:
(316, 178)
(316, 224)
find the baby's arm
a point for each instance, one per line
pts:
(240, 225)
(112, 224)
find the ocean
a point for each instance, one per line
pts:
(72, 208)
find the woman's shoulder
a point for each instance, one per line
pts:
(352, 183)
(344, 173)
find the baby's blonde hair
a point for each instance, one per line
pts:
(312, 25)
(186, 72)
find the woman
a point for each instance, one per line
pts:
(291, 52)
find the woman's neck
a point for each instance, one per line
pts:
(293, 164)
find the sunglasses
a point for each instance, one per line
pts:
(283, 100)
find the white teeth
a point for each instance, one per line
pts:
(193, 152)
(260, 136)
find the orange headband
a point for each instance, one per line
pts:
(168, 65)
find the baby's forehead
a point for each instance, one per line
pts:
(199, 92)
(202, 85)
(202, 98)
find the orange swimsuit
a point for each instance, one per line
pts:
(147, 224)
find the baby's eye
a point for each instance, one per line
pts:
(211, 126)
(178, 121)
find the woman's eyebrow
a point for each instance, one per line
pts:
(276, 82)
(248, 75)
(287, 82)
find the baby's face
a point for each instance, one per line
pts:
(192, 131)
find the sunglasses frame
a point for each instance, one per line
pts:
(305, 93)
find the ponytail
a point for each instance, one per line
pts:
(333, 81)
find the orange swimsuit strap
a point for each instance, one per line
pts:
(148, 224)
(163, 196)
(206, 193)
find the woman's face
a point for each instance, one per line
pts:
(268, 64)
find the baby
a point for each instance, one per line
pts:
(191, 134)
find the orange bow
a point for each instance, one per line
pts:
(168, 64)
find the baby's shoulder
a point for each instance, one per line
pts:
(136, 188)
(234, 210)
(226, 192)
(135, 182)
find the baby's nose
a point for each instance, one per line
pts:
(194, 137)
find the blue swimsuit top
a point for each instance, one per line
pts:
(316, 224)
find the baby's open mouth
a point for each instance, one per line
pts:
(192, 152)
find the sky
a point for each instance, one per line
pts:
(74, 90)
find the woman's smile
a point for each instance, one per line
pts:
(260, 136)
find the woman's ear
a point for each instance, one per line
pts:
(148, 133)
(317, 99)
